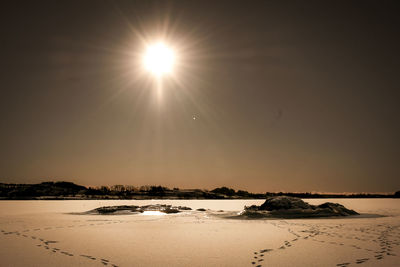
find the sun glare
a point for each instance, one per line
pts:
(153, 212)
(159, 59)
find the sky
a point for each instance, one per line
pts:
(286, 95)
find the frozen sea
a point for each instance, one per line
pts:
(45, 233)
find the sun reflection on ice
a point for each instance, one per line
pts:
(153, 212)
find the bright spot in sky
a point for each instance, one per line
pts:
(159, 59)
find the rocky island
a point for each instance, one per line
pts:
(293, 207)
(129, 209)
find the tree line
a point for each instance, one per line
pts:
(70, 190)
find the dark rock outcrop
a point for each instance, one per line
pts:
(284, 202)
(335, 208)
(293, 207)
(124, 209)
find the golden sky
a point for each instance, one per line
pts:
(286, 96)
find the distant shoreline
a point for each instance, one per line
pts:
(71, 191)
(157, 198)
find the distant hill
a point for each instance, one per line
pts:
(21, 191)
(68, 190)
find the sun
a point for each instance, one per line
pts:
(159, 59)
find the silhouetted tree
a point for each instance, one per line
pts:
(92, 192)
(157, 191)
(105, 190)
(224, 191)
(243, 193)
